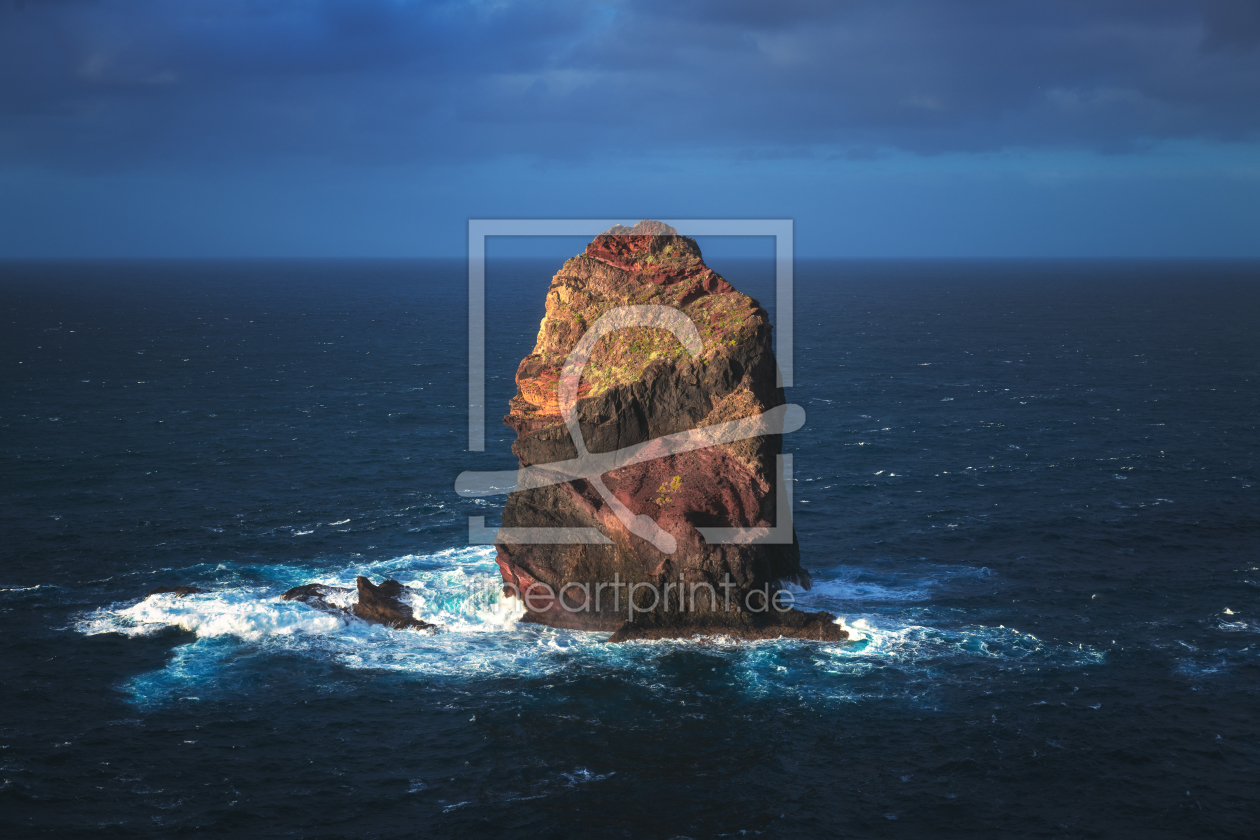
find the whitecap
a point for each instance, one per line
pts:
(1239, 626)
(482, 636)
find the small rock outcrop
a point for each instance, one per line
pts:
(640, 384)
(376, 604)
(316, 595)
(381, 605)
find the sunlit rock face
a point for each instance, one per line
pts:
(642, 384)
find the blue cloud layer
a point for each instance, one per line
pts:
(98, 85)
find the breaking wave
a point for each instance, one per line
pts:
(459, 589)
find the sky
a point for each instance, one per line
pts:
(377, 128)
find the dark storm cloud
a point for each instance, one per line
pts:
(100, 84)
(1232, 23)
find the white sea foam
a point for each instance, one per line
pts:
(460, 590)
(859, 630)
(922, 657)
(245, 613)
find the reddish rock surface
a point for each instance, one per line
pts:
(642, 384)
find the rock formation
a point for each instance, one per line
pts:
(642, 384)
(316, 595)
(375, 605)
(381, 605)
(177, 591)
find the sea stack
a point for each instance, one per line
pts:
(642, 383)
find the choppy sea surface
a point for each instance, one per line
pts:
(1032, 491)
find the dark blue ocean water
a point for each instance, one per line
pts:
(1031, 488)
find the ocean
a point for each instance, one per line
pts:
(1031, 490)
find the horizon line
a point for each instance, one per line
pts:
(10, 260)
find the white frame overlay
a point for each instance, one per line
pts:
(479, 229)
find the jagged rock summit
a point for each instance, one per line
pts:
(647, 227)
(641, 384)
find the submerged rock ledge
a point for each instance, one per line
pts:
(375, 604)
